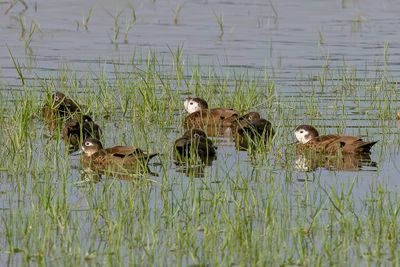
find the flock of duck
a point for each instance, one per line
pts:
(80, 131)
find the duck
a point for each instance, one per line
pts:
(59, 107)
(62, 104)
(201, 117)
(114, 159)
(80, 128)
(253, 125)
(251, 128)
(194, 142)
(309, 139)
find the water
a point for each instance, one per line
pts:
(253, 37)
(292, 40)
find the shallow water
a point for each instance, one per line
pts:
(294, 45)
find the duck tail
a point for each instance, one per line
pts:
(366, 147)
(148, 157)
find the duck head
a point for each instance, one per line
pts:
(193, 104)
(58, 98)
(91, 146)
(305, 133)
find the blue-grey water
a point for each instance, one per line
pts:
(293, 41)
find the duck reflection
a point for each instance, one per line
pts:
(95, 176)
(90, 176)
(349, 162)
(191, 170)
(339, 162)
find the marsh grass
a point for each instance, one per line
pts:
(177, 12)
(117, 26)
(220, 23)
(248, 208)
(85, 20)
(13, 3)
(117, 29)
(129, 22)
(27, 32)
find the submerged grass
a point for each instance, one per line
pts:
(246, 209)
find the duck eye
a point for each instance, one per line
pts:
(190, 103)
(56, 98)
(88, 144)
(301, 131)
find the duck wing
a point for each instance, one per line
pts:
(71, 127)
(182, 142)
(224, 113)
(205, 147)
(212, 117)
(201, 146)
(354, 144)
(258, 127)
(343, 143)
(123, 151)
(325, 143)
(69, 105)
(201, 119)
(128, 152)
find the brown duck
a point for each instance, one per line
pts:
(249, 128)
(62, 104)
(200, 116)
(80, 128)
(115, 159)
(253, 125)
(58, 107)
(309, 139)
(194, 142)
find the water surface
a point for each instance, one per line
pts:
(294, 42)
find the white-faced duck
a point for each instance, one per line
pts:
(201, 117)
(309, 139)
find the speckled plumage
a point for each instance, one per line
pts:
(309, 138)
(114, 159)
